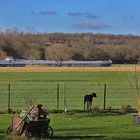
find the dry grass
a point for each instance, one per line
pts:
(113, 68)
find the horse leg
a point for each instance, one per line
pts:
(87, 105)
(90, 105)
(84, 105)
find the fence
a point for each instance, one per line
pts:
(60, 95)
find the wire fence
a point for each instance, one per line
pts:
(61, 95)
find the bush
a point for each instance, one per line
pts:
(109, 109)
(95, 109)
(126, 108)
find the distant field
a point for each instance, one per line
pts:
(69, 69)
(75, 84)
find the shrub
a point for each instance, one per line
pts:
(126, 108)
(95, 109)
(109, 109)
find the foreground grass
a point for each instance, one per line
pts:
(86, 126)
(99, 127)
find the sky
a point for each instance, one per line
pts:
(71, 16)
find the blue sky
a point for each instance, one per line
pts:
(71, 16)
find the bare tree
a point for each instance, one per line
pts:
(2, 54)
(134, 82)
(58, 52)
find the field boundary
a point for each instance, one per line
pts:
(113, 68)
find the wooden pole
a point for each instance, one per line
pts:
(57, 96)
(105, 91)
(9, 99)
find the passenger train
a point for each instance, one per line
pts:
(10, 61)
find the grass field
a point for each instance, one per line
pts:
(78, 81)
(43, 86)
(86, 126)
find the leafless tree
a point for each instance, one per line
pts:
(2, 54)
(134, 82)
(58, 52)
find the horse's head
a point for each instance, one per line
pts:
(94, 94)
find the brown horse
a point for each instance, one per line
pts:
(88, 100)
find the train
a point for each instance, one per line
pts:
(11, 62)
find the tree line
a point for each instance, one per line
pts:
(66, 46)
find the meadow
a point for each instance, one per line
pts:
(73, 85)
(73, 124)
(83, 126)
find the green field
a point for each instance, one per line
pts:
(75, 85)
(42, 88)
(86, 126)
(101, 77)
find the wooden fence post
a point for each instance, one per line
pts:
(57, 96)
(9, 99)
(105, 91)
